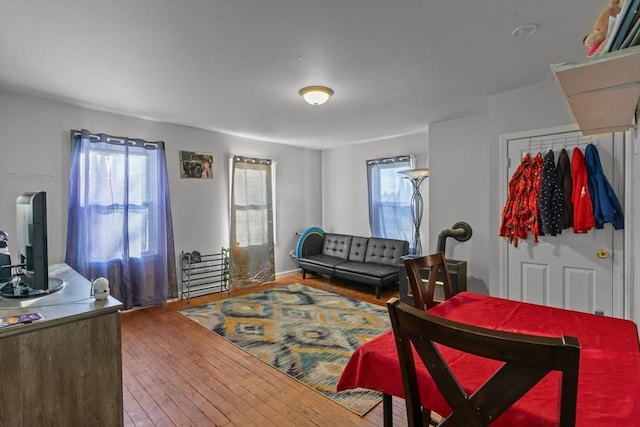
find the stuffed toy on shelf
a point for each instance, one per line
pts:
(597, 38)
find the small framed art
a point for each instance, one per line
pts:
(196, 165)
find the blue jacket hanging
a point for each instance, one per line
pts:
(606, 207)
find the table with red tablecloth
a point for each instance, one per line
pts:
(608, 379)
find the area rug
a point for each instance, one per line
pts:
(304, 332)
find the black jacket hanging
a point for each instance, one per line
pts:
(550, 198)
(564, 178)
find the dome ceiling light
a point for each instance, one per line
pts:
(315, 95)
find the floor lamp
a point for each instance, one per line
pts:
(416, 176)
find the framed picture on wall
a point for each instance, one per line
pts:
(196, 165)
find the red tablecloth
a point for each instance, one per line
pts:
(609, 376)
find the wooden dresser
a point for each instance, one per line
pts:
(67, 368)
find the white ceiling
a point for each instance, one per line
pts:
(236, 66)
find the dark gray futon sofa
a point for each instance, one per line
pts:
(373, 261)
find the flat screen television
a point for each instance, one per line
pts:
(31, 238)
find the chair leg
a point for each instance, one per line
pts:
(426, 418)
(387, 410)
(377, 292)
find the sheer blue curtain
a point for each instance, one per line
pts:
(390, 198)
(119, 223)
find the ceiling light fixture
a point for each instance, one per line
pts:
(315, 95)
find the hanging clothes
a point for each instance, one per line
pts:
(549, 198)
(606, 207)
(564, 178)
(583, 219)
(520, 212)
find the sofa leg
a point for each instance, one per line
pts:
(377, 292)
(304, 274)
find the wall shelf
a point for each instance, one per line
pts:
(603, 91)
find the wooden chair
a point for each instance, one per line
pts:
(424, 290)
(527, 359)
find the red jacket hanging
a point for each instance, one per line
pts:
(583, 219)
(520, 212)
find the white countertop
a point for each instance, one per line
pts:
(70, 303)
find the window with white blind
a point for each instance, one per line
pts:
(390, 198)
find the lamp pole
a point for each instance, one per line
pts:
(415, 177)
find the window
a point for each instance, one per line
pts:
(106, 169)
(119, 218)
(390, 198)
(252, 221)
(251, 206)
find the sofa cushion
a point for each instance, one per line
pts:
(386, 251)
(358, 248)
(321, 264)
(367, 272)
(322, 260)
(336, 245)
(368, 269)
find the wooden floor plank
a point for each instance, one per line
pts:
(183, 382)
(176, 372)
(138, 391)
(178, 391)
(134, 414)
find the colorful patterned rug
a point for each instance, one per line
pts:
(306, 333)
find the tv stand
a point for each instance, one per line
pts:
(16, 288)
(66, 368)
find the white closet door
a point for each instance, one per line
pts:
(573, 271)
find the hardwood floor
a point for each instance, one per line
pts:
(175, 372)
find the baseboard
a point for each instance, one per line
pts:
(282, 274)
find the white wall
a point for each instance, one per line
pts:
(458, 188)
(345, 206)
(34, 155)
(472, 168)
(464, 158)
(534, 107)
(326, 189)
(634, 270)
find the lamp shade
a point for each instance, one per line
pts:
(415, 174)
(316, 95)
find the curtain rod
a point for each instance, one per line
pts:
(389, 160)
(254, 160)
(119, 140)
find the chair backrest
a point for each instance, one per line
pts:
(527, 359)
(423, 290)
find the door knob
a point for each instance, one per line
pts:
(602, 253)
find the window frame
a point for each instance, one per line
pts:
(146, 249)
(374, 175)
(274, 166)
